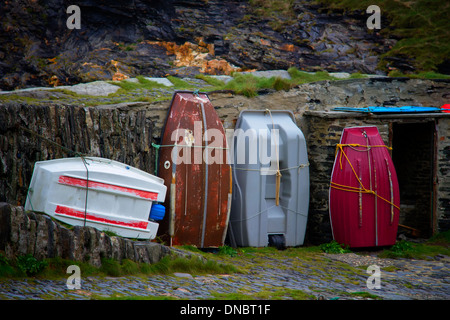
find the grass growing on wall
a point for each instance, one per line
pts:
(249, 85)
(142, 83)
(149, 91)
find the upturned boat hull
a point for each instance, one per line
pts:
(96, 192)
(193, 164)
(364, 196)
(270, 180)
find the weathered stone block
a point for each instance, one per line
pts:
(37, 234)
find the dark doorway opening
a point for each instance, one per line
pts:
(414, 157)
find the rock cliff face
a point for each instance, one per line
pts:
(123, 39)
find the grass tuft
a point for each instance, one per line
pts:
(333, 247)
(437, 245)
(179, 83)
(249, 85)
(420, 75)
(216, 84)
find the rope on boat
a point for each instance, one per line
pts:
(361, 189)
(70, 152)
(267, 210)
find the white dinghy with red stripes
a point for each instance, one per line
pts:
(97, 192)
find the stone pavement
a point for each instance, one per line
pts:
(317, 276)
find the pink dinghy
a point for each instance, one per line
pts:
(364, 199)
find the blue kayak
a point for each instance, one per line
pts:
(404, 109)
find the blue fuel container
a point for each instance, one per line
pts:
(157, 212)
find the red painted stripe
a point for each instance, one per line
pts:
(94, 184)
(92, 217)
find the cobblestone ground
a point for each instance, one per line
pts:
(314, 276)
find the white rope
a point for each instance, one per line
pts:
(259, 213)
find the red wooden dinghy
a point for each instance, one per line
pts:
(193, 163)
(364, 199)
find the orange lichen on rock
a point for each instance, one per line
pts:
(117, 75)
(54, 81)
(265, 42)
(218, 66)
(91, 65)
(287, 47)
(200, 55)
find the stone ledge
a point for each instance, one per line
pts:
(37, 234)
(425, 116)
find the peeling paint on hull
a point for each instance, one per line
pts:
(199, 191)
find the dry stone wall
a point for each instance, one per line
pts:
(23, 233)
(443, 176)
(31, 133)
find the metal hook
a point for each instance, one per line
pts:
(364, 133)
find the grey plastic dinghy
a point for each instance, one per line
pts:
(270, 180)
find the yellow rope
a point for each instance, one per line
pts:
(362, 188)
(340, 146)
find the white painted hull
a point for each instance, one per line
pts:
(96, 192)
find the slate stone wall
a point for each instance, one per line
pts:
(443, 176)
(31, 133)
(23, 233)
